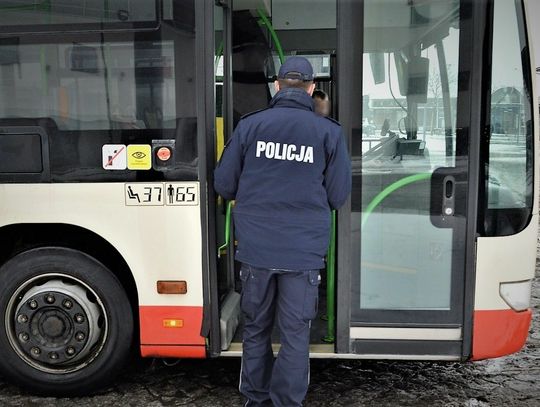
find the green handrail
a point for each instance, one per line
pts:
(389, 189)
(227, 228)
(331, 283)
(270, 27)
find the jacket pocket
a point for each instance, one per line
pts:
(311, 299)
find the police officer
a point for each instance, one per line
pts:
(286, 167)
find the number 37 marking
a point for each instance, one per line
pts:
(148, 194)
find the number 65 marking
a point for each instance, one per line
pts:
(185, 194)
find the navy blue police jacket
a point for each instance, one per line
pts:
(286, 167)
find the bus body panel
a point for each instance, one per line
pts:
(182, 341)
(157, 243)
(499, 332)
(503, 259)
(497, 329)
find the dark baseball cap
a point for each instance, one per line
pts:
(296, 68)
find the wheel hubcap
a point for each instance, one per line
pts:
(56, 324)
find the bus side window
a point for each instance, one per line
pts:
(509, 148)
(88, 89)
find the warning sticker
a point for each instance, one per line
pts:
(114, 156)
(139, 157)
(181, 193)
(144, 194)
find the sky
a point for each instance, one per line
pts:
(534, 26)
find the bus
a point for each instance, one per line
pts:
(113, 115)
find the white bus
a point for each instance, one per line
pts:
(113, 114)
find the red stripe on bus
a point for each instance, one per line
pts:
(499, 332)
(164, 351)
(153, 331)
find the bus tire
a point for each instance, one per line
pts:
(66, 324)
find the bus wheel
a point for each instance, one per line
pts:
(67, 322)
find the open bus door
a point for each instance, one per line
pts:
(246, 63)
(406, 237)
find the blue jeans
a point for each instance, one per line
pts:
(291, 296)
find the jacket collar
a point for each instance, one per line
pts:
(292, 97)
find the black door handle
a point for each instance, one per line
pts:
(448, 196)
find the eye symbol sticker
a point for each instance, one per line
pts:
(138, 155)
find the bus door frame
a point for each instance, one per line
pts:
(228, 112)
(349, 85)
(349, 49)
(480, 88)
(207, 136)
(205, 54)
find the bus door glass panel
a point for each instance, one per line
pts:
(401, 259)
(509, 166)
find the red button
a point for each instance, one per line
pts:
(164, 153)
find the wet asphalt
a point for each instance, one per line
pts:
(508, 381)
